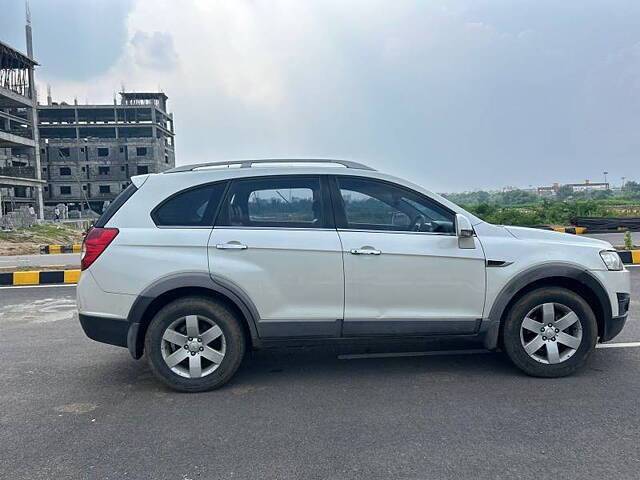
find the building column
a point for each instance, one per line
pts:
(36, 139)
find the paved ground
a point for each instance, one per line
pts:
(73, 408)
(68, 260)
(616, 239)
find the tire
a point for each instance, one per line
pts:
(218, 351)
(526, 332)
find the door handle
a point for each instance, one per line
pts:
(231, 246)
(365, 251)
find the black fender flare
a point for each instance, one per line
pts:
(214, 283)
(537, 273)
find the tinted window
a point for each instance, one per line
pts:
(193, 207)
(274, 202)
(373, 205)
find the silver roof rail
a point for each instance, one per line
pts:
(250, 163)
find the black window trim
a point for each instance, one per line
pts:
(341, 216)
(207, 219)
(325, 199)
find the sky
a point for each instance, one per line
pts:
(455, 95)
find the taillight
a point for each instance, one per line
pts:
(96, 241)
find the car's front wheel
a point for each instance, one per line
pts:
(550, 332)
(195, 344)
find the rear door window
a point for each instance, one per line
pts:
(294, 202)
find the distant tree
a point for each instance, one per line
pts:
(601, 194)
(518, 197)
(564, 192)
(632, 187)
(482, 197)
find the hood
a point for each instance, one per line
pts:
(525, 233)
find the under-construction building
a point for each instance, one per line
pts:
(20, 184)
(89, 152)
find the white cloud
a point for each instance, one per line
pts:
(154, 51)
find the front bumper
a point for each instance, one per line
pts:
(105, 329)
(613, 327)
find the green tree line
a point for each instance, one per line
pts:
(520, 207)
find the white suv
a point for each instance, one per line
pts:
(197, 264)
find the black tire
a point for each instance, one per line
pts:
(515, 317)
(217, 312)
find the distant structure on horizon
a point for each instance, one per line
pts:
(90, 152)
(587, 186)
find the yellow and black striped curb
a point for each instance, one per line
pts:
(39, 277)
(61, 249)
(629, 256)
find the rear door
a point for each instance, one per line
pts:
(274, 239)
(404, 271)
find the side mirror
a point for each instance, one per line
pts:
(463, 226)
(464, 232)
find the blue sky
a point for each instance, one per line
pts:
(455, 95)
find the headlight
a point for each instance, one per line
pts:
(611, 260)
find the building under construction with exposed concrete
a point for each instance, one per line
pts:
(89, 152)
(20, 183)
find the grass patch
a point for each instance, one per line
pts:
(23, 241)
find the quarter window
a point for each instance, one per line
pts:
(374, 205)
(193, 207)
(293, 202)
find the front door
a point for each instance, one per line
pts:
(275, 240)
(404, 271)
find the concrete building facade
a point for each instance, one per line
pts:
(20, 183)
(90, 152)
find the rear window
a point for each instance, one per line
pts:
(114, 206)
(194, 207)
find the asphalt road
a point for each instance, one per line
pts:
(73, 408)
(616, 239)
(64, 260)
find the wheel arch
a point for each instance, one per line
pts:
(569, 276)
(170, 288)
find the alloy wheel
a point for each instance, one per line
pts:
(551, 333)
(193, 346)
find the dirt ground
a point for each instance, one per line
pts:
(24, 241)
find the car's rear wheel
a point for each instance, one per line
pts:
(195, 344)
(550, 332)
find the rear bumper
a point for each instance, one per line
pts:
(109, 330)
